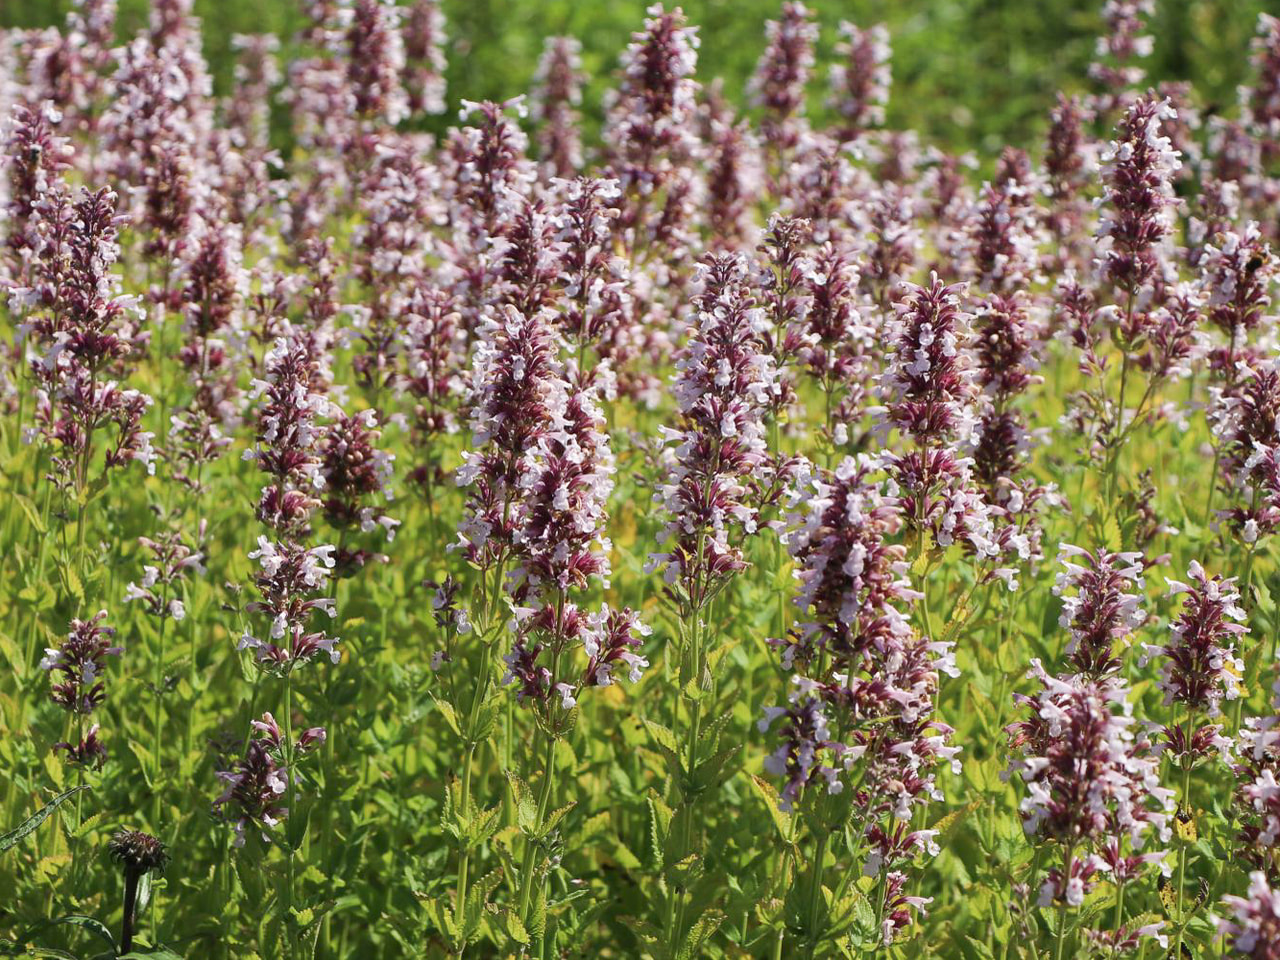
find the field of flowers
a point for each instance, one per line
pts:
(729, 535)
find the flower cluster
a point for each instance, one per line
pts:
(1253, 927)
(718, 459)
(862, 722)
(257, 782)
(288, 582)
(288, 437)
(424, 38)
(781, 74)
(81, 335)
(1090, 780)
(1098, 609)
(1198, 666)
(81, 663)
(556, 99)
(355, 471)
(860, 84)
(1137, 170)
(172, 560)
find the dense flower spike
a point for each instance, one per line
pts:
(860, 83)
(512, 378)
(1262, 101)
(556, 100)
(36, 157)
(424, 38)
(852, 582)
(927, 387)
(1138, 169)
(1098, 609)
(288, 437)
(781, 75)
(355, 472)
(81, 333)
(80, 662)
(648, 132)
(718, 461)
(376, 60)
(1088, 777)
(1244, 423)
(1238, 272)
(1115, 72)
(288, 582)
(257, 782)
(1199, 667)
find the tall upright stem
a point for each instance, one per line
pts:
(1185, 803)
(815, 892)
(292, 802)
(531, 848)
(1067, 863)
(157, 719)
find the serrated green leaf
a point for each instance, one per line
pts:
(450, 715)
(783, 821)
(1111, 538)
(662, 735)
(702, 930)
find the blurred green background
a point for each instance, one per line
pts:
(967, 73)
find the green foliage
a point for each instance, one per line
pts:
(974, 74)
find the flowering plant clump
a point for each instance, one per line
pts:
(570, 501)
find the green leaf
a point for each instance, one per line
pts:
(538, 912)
(715, 656)
(921, 564)
(702, 931)
(662, 736)
(555, 816)
(144, 895)
(91, 924)
(515, 929)
(450, 715)
(40, 816)
(659, 825)
(783, 821)
(74, 586)
(33, 515)
(1111, 535)
(948, 825)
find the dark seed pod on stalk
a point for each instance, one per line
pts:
(140, 854)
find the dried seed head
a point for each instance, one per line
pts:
(139, 852)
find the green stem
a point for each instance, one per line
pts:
(531, 845)
(158, 718)
(1119, 918)
(1183, 853)
(291, 801)
(1062, 904)
(464, 796)
(815, 892)
(464, 862)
